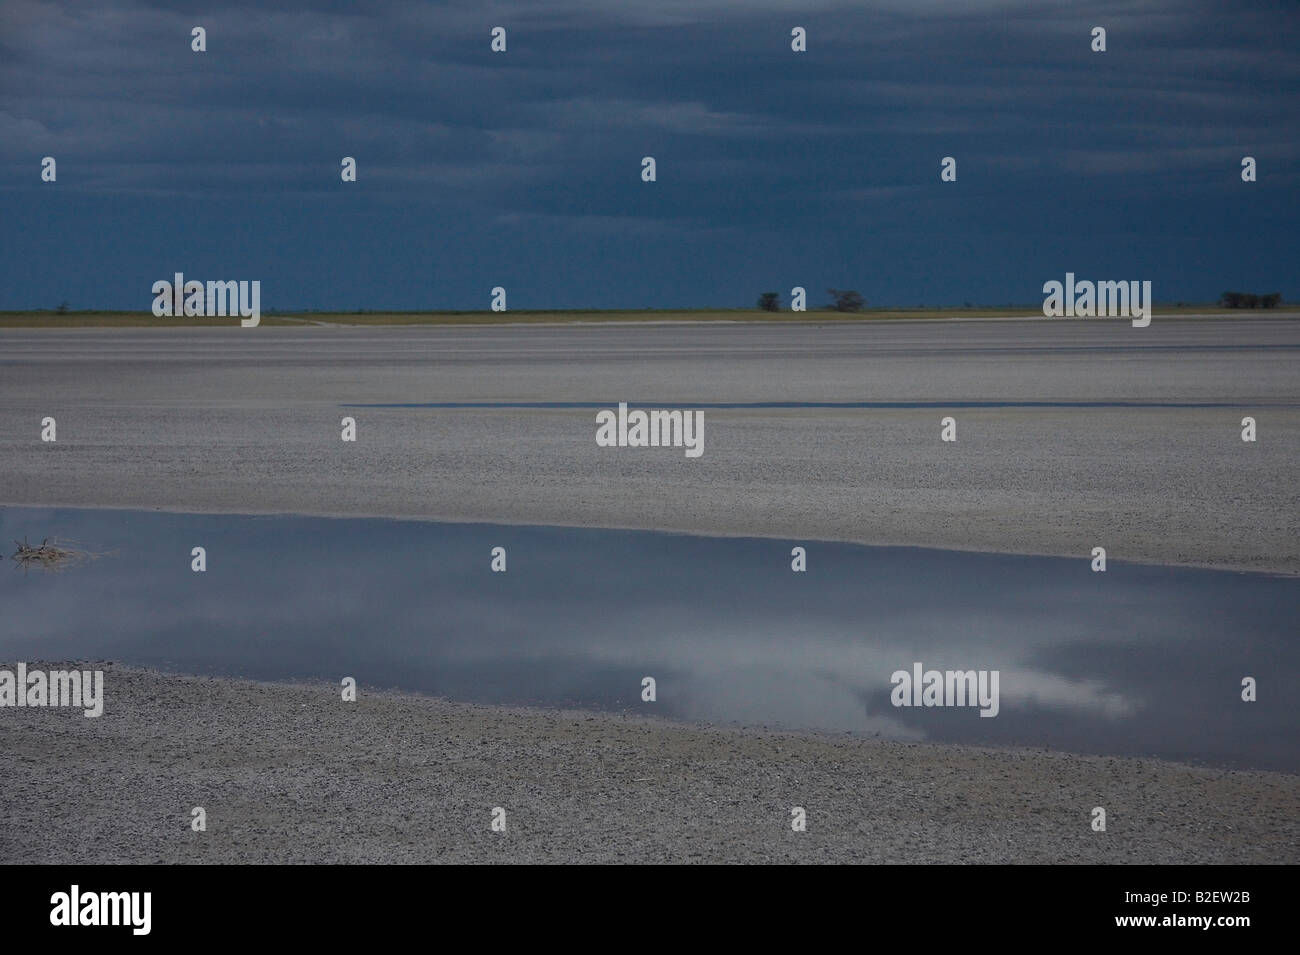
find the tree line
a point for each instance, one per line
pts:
(842, 300)
(1247, 300)
(847, 300)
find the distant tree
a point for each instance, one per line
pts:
(846, 300)
(63, 308)
(1247, 300)
(770, 301)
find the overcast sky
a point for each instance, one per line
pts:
(523, 169)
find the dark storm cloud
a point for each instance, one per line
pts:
(774, 168)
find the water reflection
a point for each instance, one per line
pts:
(1139, 660)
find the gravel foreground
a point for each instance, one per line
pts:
(288, 773)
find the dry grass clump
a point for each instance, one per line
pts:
(48, 555)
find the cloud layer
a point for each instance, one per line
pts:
(522, 169)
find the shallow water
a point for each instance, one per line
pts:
(1140, 660)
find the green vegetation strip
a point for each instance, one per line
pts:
(92, 319)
